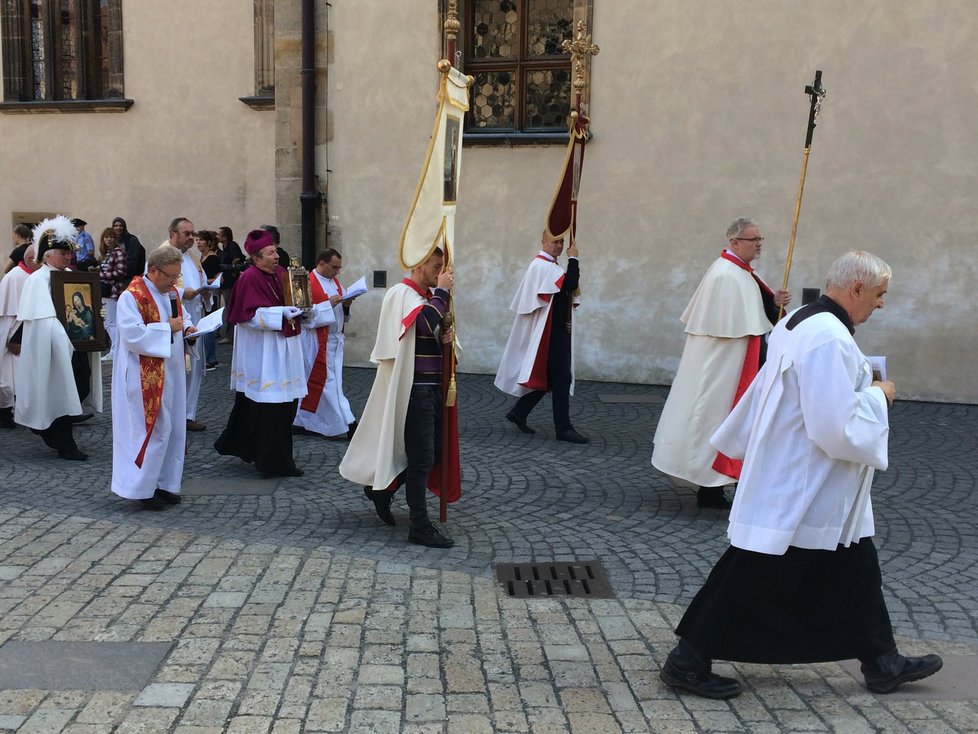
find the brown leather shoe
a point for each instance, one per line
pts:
(195, 426)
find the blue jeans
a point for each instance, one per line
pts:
(210, 348)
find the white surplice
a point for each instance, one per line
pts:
(163, 462)
(192, 276)
(333, 415)
(811, 429)
(46, 387)
(531, 303)
(724, 312)
(266, 365)
(10, 287)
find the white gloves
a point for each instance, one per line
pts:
(291, 312)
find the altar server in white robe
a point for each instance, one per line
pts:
(11, 286)
(801, 582)
(149, 385)
(325, 409)
(726, 320)
(48, 392)
(267, 372)
(191, 281)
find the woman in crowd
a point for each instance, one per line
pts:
(114, 274)
(135, 253)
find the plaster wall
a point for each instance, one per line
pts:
(187, 146)
(698, 116)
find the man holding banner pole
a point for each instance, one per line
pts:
(399, 438)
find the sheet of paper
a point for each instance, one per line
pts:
(357, 289)
(211, 322)
(213, 286)
(878, 365)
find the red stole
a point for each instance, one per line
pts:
(317, 377)
(151, 369)
(724, 464)
(23, 266)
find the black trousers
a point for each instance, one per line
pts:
(806, 606)
(422, 444)
(260, 433)
(81, 368)
(558, 381)
(59, 435)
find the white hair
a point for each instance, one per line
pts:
(858, 265)
(739, 225)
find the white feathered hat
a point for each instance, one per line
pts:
(57, 233)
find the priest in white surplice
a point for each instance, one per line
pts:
(149, 385)
(726, 320)
(325, 409)
(801, 581)
(10, 287)
(48, 391)
(191, 281)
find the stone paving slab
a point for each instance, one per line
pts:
(90, 666)
(297, 611)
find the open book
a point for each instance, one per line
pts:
(357, 289)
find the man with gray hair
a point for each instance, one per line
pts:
(801, 582)
(726, 320)
(149, 430)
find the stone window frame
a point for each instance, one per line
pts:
(264, 94)
(97, 88)
(582, 10)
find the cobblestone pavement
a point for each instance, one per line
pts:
(297, 610)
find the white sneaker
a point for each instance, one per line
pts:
(107, 357)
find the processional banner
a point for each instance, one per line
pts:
(431, 220)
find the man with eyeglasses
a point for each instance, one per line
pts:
(149, 386)
(726, 321)
(189, 285)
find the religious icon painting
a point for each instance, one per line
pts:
(452, 137)
(77, 301)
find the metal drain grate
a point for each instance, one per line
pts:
(546, 580)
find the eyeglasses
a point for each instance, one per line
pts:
(750, 239)
(171, 276)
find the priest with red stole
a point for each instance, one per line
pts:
(726, 322)
(149, 385)
(539, 355)
(325, 409)
(267, 371)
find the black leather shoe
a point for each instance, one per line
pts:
(167, 497)
(571, 436)
(712, 498)
(82, 418)
(382, 504)
(351, 430)
(686, 671)
(430, 536)
(73, 455)
(153, 504)
(519, 422)
(885, 673)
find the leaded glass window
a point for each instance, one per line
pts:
(522, 76)
(61, 49)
